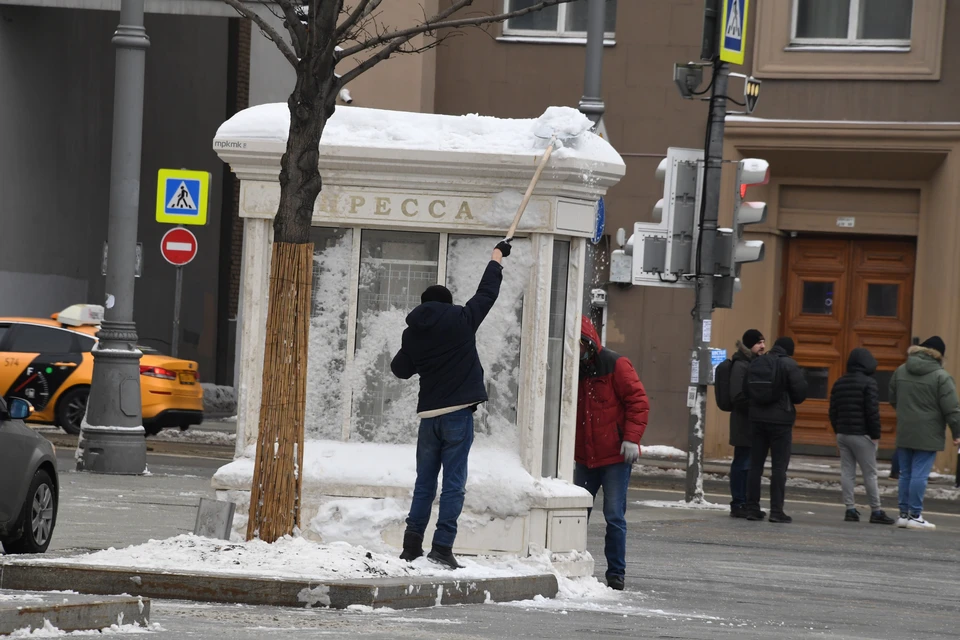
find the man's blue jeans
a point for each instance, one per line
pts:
(739, 471)
(444, 442)
(614, 478)
(915, 466)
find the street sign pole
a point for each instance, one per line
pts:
(178, 247)
(175, 342)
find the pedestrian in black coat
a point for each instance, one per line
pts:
(855, 417)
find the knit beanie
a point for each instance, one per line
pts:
(935, 343)
(750, 338)
(785, 343)
(436, 293)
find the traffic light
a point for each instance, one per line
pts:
(677, 214)
(732, 249)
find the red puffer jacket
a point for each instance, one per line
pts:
(612, 405)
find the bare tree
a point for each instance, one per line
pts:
(319, 34)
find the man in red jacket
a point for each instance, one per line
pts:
(612, 411)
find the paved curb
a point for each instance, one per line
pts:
(72, 612)
(397, 593)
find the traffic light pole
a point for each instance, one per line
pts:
(112, 437)
(700, 367)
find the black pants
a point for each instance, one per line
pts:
(777, 439)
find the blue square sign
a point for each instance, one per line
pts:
(182, 196)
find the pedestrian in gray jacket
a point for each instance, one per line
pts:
(925, 397)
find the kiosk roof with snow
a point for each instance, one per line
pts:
(410, 200)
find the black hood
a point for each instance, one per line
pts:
(861, 360)
(429, 314)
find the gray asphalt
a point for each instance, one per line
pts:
(691, 574)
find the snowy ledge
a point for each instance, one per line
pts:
(497, 483)
(384, 143)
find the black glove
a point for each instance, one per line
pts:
(504, 247)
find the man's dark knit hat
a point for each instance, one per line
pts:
(751, 337)
(935, 343)
(436, 293)
(785, 343)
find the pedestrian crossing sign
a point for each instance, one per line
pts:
(733, 30)
(182, 196)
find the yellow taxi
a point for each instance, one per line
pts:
(49, 364)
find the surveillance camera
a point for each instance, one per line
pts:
(345, 96)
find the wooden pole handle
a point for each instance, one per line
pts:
(533, 183)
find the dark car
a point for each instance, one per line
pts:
(28, 475)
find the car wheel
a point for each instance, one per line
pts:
(38, 518)
(71, 409)
(151, 430)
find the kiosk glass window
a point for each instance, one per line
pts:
(395, 268)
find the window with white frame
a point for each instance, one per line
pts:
(845, 23)
(568, 20)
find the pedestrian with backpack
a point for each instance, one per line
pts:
(730, 396)
(855, 418)
(774, 386)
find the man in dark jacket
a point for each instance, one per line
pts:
(440, 345)
(751, 345)
(855, 417)
(773, 430)
(612, 410)
(925, 397)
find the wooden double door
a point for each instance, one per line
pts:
(841, 294)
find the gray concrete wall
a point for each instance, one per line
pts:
(56, 101)
(272, 78)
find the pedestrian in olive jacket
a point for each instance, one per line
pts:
(925, 397)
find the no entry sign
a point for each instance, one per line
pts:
(179, 246)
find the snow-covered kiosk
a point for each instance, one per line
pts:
(411, 200)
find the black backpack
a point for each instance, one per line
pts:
(721, 385)
(764, 381)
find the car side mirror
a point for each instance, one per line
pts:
(19, 409)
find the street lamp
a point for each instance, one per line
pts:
(112, 437)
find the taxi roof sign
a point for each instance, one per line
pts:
(78, 315)
(183, 196)
(733, 30)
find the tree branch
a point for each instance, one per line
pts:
(362, 9)
(440, 21)
(298, 33)
(266, 29)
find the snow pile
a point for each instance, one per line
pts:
(219, 400)
(497, 484)
(563, 122)
(291, 557)
(50, 631)
(381, 129)
(661, 451)
(682, 504)
(197, 436)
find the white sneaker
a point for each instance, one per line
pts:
(902, 521)
(920, 523)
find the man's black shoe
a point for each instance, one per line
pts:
(879, 517)
(755, 515)
(781, 518)
(852, 515)
(738, 511)
(444, 556)
(894, 476)
(412, 546)
(615, 582)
